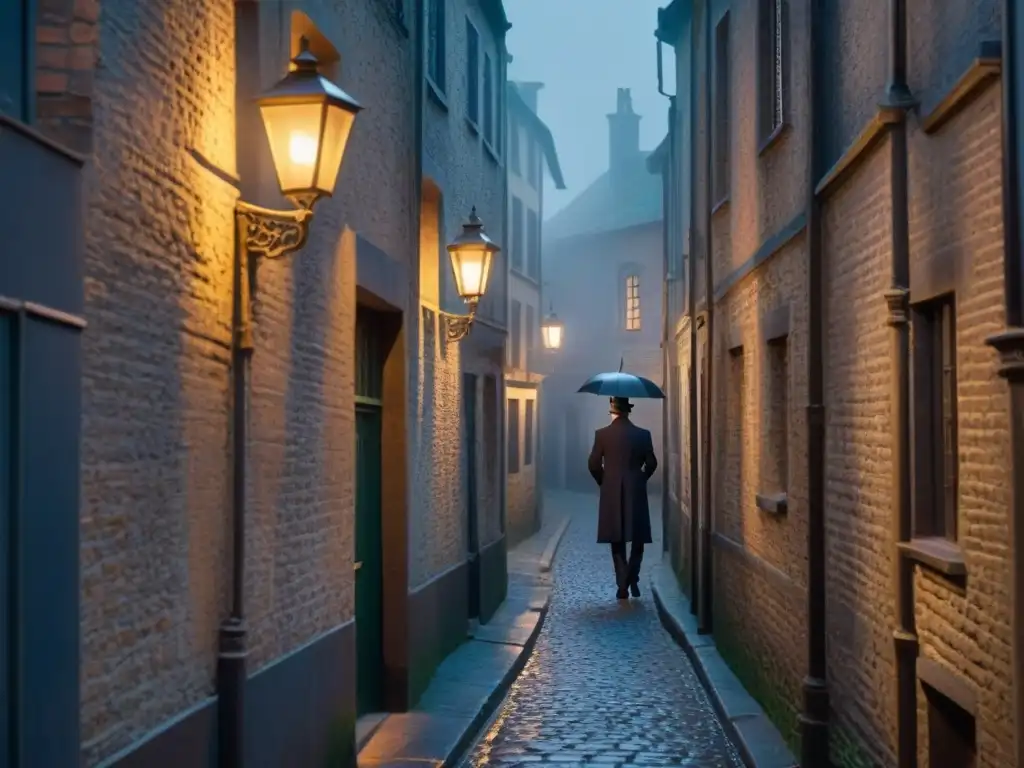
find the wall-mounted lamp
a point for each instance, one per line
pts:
(308, 120)
(552, 330)
(471, 254)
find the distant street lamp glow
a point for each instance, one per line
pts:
(551, 330)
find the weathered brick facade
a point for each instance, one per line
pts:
(761, 362)
(149, 91)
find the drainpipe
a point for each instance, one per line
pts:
(668, 200)
(897, 299)
(814, 717)
(1010, 345)
(691, 288)
(705, 613)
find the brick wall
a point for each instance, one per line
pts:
(156, 471)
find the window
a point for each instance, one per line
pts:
(514, 148)
(952, 732)
(488, 100)
(935, 388)
(517, 234)
(532, 245)
(472, 73)
(721, 137)
(531, 330)
(513, 436)
(436, 43)
(515, 347)
(734, 438)
(400, 11)
(772, 61)
(528, 436)
(15, 78)
(776, 457)
(633, 303)
(533, 164)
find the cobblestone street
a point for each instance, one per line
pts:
(606, 683)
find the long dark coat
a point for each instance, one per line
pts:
(622, 461)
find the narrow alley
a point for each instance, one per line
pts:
(606, 683)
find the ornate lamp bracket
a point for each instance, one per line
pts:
(262, 233)
(457, 327)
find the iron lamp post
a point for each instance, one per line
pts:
(471, 255)
(308, 120)
(552, 330)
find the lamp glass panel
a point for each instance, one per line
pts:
(552, 333)
(294, 134)
(472, 266)
(337, 128)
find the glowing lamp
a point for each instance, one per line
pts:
(308, 120)
(471, 254)
(551, 330)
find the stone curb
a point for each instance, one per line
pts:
(759, 742)
(548, 557)
(447, 732)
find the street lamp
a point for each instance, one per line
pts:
(308, 120)
(471, 255)
(551, 330)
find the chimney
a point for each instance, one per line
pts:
(529, 92)
(623, 134)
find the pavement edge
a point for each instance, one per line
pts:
(551, 550)
(758, 740)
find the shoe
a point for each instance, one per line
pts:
(622, 594)
(634, 589)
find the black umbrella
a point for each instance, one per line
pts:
(621, 384)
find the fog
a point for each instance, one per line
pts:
(583, 51)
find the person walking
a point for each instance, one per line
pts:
(621, 462)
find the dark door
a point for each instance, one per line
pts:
(6, 446)
(472, 534)
(371, 350)
(369, 570)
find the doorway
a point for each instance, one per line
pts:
(371, 349)
(472, 521)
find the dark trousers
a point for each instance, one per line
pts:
(627, 571)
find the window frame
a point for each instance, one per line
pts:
(514, 148)
(936, 419)
(722, 135)
(513, 446)
(518, 225)
(436, 45)
(528, 431)
(17, 61)
(473, 84)
(772, 69)
(516, 334)
(489, 89)
(632, 304)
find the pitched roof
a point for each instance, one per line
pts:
(517, 105)
(635, 198)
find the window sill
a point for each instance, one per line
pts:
(773, 503)
(722, 203)
(435, 93)
(474, 128)
(941, 555)
(773, 138)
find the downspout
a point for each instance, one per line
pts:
(691, 288)
(814, 752)
(1010, 345)
(668, 198)
(705, 612)
(897, 297)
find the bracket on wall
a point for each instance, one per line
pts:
(457, 327)
(263, 233)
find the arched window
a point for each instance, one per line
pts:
(632, 302)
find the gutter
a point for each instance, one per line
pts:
(1010, 346)
(814, 736)
(899, 99)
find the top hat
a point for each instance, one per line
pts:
(620, 406)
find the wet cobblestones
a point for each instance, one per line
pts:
(606, 685)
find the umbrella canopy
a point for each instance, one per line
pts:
(622, 384)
